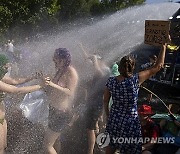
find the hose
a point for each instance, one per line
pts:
(171, 115)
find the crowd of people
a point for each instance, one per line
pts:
(117, 89)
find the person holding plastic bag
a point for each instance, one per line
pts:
(7, 85)
(35, 107)
(60, 92)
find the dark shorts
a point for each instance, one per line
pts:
(92, 116)
(58, 119)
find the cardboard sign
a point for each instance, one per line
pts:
(155, 30)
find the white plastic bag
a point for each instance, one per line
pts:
(35, 107)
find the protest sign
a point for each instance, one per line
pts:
(156, 31)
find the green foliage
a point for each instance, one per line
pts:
(97, 8)
(5, 18)
(35, 15)
(114, 5)
(73, 8)
(26, 13)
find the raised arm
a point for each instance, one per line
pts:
(144, 75)
(94, 59)
(13, 89)
(97, 67)
(84, 51)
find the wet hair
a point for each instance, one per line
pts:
(126, 66)
(62, 53)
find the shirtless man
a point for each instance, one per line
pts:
(60, 93)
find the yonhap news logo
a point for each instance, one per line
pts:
(141, 140)
(103, 140)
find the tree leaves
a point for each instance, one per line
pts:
(34, 13)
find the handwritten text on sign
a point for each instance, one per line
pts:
(155, 30)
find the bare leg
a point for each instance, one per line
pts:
(3, 136)
(110, 150)
(50, 138)
(91, 140)
(5, 133)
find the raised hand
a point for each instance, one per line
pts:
(166, 40)
(169, 39)
(93, 58)
(84, 51)
(47, 81)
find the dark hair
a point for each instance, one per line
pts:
(126, 66)
(153, 57)
(62, 53)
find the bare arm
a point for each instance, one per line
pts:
(107, 96)
(71, 86)
(12, 81)
(13, 89)
(94, 59)
(84, 51)
(144, 75)
(97, 67)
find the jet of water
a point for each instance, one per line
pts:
(111, 37)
